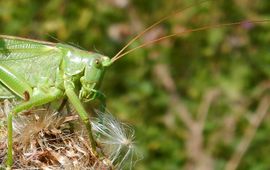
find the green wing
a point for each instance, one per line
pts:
(35, 61)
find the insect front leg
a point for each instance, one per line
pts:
(94, 94)
(75, 101)
(101, 97)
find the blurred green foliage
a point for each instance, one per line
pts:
(232, 60)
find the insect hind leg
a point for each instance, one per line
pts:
(37, 100)
(15, 82)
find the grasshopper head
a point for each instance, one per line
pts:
(93, 74)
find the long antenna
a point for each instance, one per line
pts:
(189, 31)
(156, 23)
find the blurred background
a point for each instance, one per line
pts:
(197, 101)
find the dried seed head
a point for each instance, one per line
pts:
(43, 139)
(116, 139)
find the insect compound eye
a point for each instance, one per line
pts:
(97, 63)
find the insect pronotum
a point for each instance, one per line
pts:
(73, 73)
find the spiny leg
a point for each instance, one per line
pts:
(40, 99)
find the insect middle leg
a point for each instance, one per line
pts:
(65, 104)
(62, 105)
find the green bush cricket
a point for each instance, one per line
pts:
(41, 72)
(67, 66)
